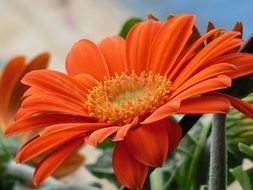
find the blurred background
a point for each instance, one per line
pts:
(29, 27)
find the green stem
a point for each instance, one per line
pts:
(218, 154)
(157, 179)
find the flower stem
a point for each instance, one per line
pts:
(218, 154)
(156, 179)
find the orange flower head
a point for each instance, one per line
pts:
(124, 97)
(125, 91)
(11, 90)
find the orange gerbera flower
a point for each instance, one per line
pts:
(11, 90)
(125, 90)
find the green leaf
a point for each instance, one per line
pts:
(248, 150)
(156, 179)
(204, 187)
(103, 167)
(242, 177)
(239, 129)
(190, 167)
(8, 148)
(250, 174)
(128, 25)
(105, 145)
(186, 167)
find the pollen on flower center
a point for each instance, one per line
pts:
(118, 100)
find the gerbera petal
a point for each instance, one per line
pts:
(86, 58)
(31, 91)
(25, 113)
(205, 104)
(209, 72)
(114, 51)
(220, 82)
(179, 66)
(175, 134)
(10, 75)
(55, 82)
(163, 112)
(121, 133)
(41, 121)
(44, 103)
(39, 62)
(127, 169)
(149, 144)
(169, 43)
(65, 127)
(100, 135)
(87, 80)
(39, 145)
(73, 162)
(216, 48)
(242, 61)
(244, 69)
(138, 44)
(50, 163)
(244, 107)
(58, 100)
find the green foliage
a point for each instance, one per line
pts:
(240, 140)
(204, 187)
(156, 179)
(186, 168)
(248, 150)
(239, 127)
(8, 148)
(242, 177)
(128, 25)
(105, 145)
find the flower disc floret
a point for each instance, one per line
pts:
(120, 99)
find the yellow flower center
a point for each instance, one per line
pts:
(120, 99)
